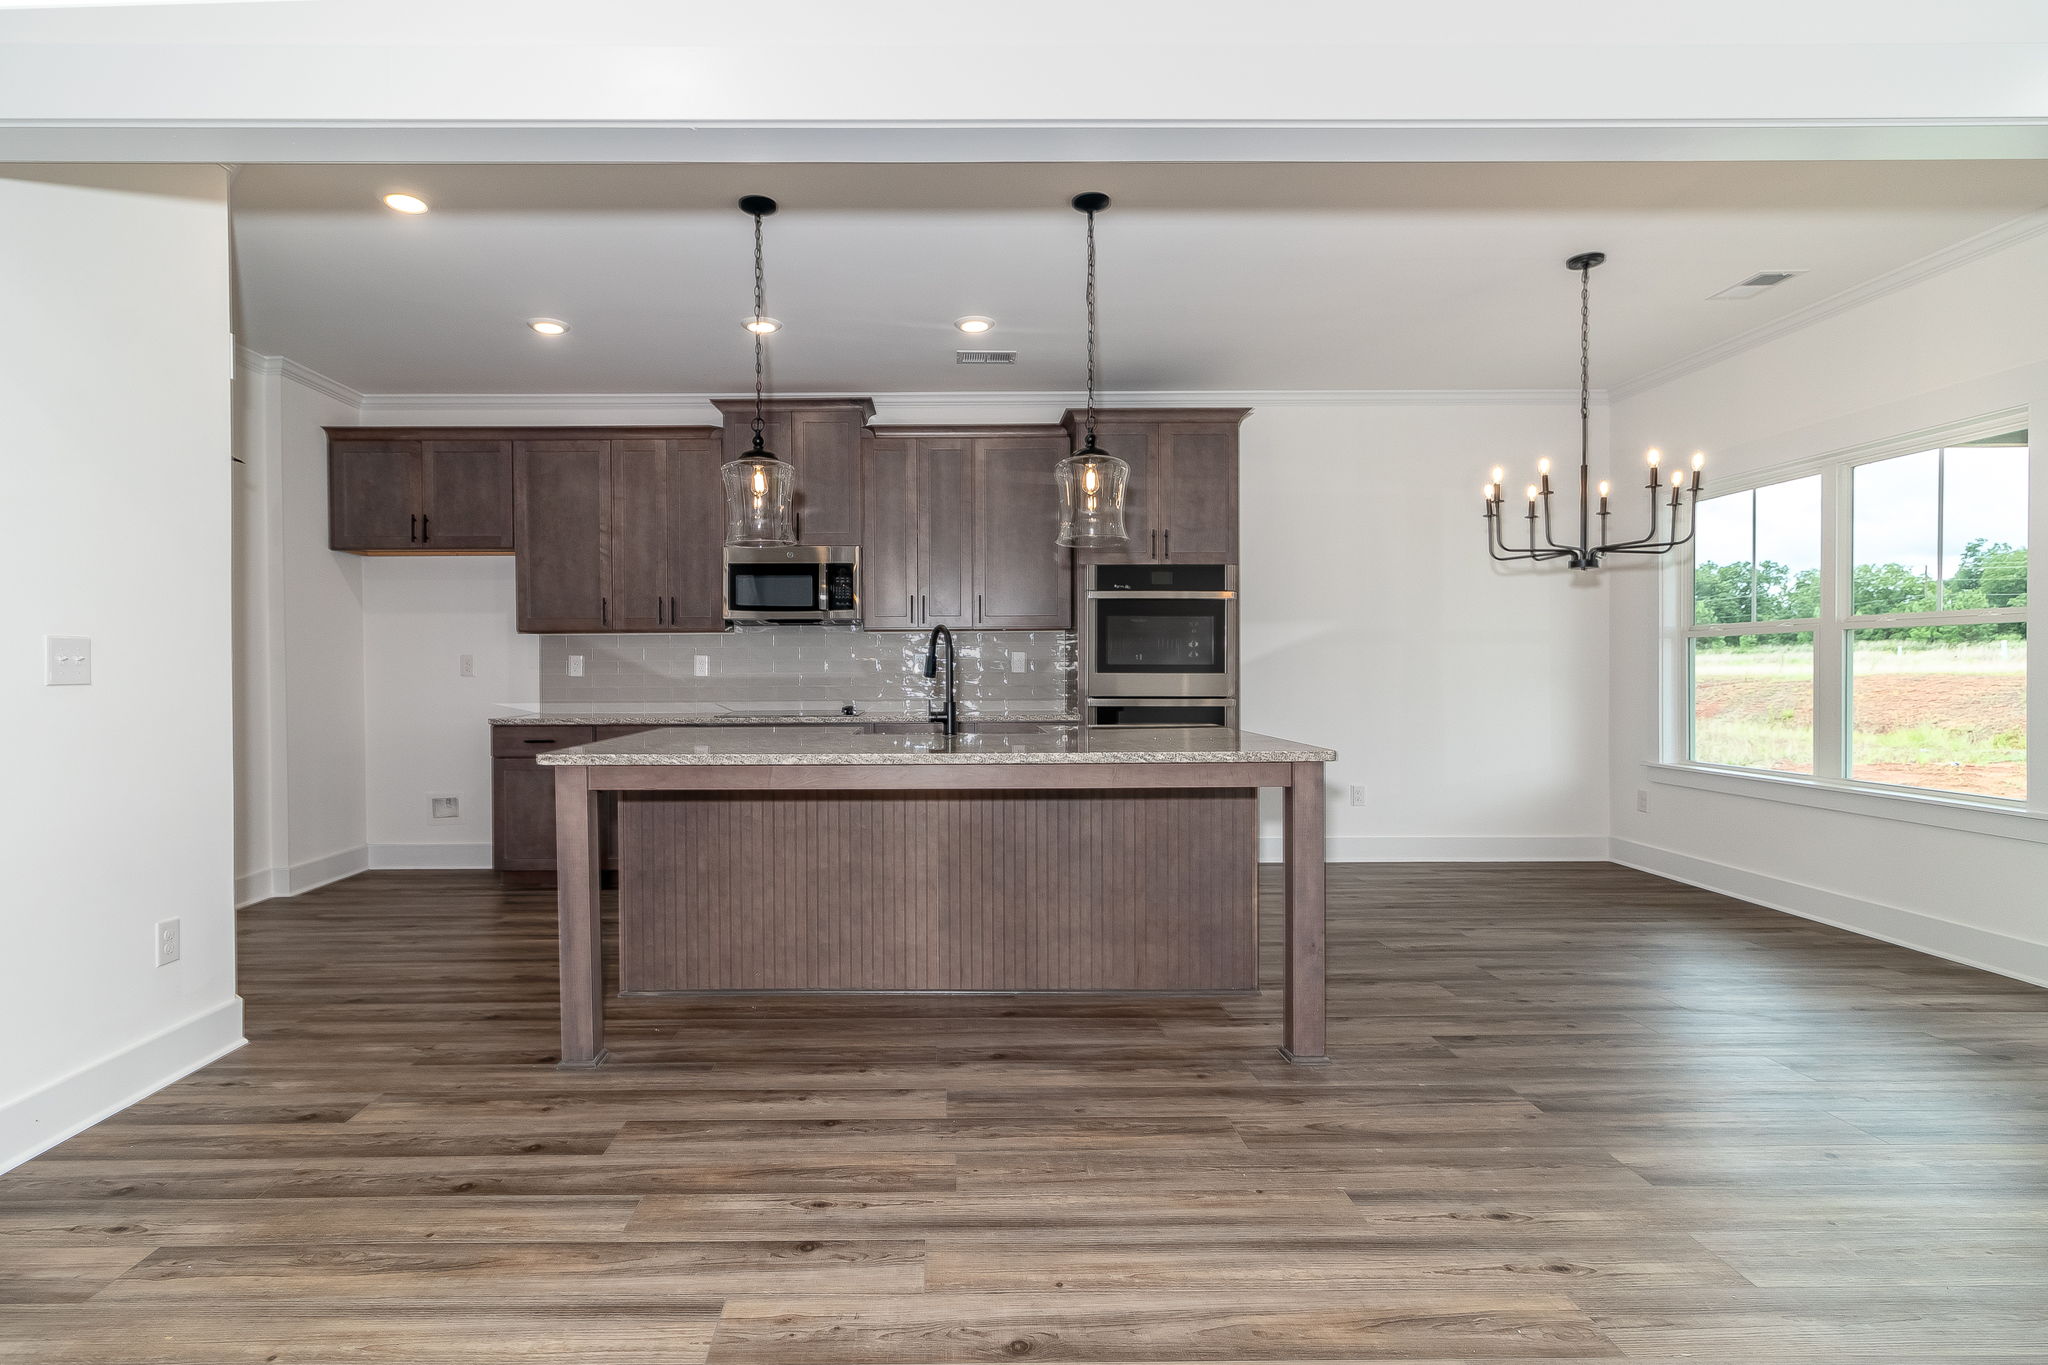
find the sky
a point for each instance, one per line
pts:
(1895, 511)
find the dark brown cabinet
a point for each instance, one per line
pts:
(419, 493)
(1181, 504)
(620, 534)
(523, 797)
(961, 529)
(821, 438)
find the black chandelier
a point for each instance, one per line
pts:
(1667, 512)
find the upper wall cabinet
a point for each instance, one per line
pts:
(621, 534)
(418, 492)
(961, 529)
(1181, 506)
(821, 438)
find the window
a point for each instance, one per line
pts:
(1894, 654)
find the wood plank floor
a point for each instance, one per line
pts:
(1576, 1114)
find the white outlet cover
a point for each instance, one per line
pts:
(1357, 795)
(702, 665)
(575, 665)
(1018, 663)
(170, 943)
(68, 660)
(468, 665)
(446, 807)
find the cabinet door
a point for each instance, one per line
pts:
(945, 535)
(466, 502)
(562, 502)
(825, 448)
(1195, 498)
(1134, 444)
(696, 536)
(888, 551)
(637, 533)
(1020, 572)
(373, 495)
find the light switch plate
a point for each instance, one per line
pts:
(68, 660)
(701, 667)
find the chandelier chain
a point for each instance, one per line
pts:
(760, 311)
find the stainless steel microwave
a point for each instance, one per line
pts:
(793, 583)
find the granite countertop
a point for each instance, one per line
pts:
(713, 713)
(1012, 743)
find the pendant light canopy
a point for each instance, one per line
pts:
(1091, 480)
(760, 489)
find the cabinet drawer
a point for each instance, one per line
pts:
(513, 741)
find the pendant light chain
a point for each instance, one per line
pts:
(760, 311)
(1091, 328)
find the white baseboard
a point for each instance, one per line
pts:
(270, 883)
(260, 885)
(2019, 958)
(430, 855)
(1426, 848)
(70, 1104)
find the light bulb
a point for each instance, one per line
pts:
(1090, 479)
(1487, 490)
(1677, 479)
(1699, 459)
(975, 324)
(1543, 465)
(405, 203)
(1654, 456)
(760, 480)
(1603, 488)
(1532, 492)
(761, 325)
(1499, 474)
(548, 327)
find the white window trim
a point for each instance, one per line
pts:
(2027, 820)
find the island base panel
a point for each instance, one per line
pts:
(1029, 890)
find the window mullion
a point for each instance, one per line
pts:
(1830, 648)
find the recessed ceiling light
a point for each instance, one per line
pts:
(974, 324)
(761, 326)
(548, 327)
(405, 203)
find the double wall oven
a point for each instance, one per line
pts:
(1159, 644)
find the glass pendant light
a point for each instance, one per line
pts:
(760, 489)
(1092, 480)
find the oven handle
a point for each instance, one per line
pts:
(1113, 595)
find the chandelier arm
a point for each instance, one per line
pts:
(1550, 537)
(1649, 537)
(1672, 540)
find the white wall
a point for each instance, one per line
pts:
(301, 738)
(1965, 342)
(118, 801)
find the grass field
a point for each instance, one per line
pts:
(1949, 718)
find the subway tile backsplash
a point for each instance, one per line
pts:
(810, 668)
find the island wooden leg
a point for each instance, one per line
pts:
(578, 878)
(1304, 1041)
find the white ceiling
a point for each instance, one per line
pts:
(1212, 277)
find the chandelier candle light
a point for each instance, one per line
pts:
(1091, 480)
(760, 489)
(1663, 535)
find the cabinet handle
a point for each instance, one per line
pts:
(977, 609)
(539, 741)
(604, 609)
(910, 608)
(426, 528)
(923, 613)
(657, 611)
(671, 611)
(1169, 542)
(414, 534)
(1155, 545)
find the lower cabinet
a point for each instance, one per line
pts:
(523, 798)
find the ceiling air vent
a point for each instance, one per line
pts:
(984, 357)
(1756, 284)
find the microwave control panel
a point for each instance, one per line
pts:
(838, 587)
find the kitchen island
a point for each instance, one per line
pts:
(1015, 857)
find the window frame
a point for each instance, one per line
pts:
(1832, 630)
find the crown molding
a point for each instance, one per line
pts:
(383, 404)
(2007, 234)
(284, 367)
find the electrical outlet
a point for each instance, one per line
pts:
(67, 660)
(575, 665)
(469, 665)
(446, 807)
(1018, 663)
(700, 665)
(1357, 795)
(170, 942)
(1643, 800)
